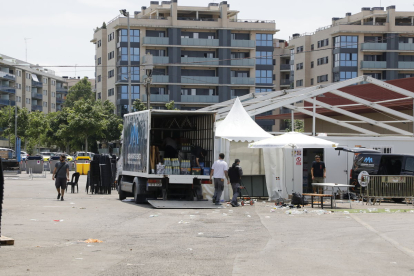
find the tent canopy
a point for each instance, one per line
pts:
(293, 140)
(239, 126)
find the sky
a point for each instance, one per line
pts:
(58, 32)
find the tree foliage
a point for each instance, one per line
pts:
(299, 125)
(171, 106)
(80, 91)
(138, 105)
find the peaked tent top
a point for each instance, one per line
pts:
(239, 126)
(293, 140)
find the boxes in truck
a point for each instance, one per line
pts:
(147, 130)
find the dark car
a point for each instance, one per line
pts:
(381, 164)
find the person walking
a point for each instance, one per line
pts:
(219, 171)
(235, 174)
(61, 174)
(318, 172)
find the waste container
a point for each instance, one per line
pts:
(52, 162)
(82, 164)
(35, 163)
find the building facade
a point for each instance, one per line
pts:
(376, 42)
(30, 86)
(201, 55)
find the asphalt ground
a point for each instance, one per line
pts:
(251, 240)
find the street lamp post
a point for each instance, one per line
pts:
(124, 12)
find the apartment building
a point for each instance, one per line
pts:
(202, 55)
(30, 86)
(376, 42)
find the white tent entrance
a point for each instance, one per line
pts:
(233, 134)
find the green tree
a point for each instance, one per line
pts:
(113, 124)
(7, 122)
(36, 129)
(80, 91)
(299, 125)
(103, 26)
(138, 105)
(171, 106)
(86, 120)
(58, 132)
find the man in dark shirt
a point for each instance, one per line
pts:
(318, 172)
(235, 174)
(61, 174)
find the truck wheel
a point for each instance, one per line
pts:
(121, 194)
(138, 198)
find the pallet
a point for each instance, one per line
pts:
(6, 241)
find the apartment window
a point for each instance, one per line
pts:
(346, 75)
(158, 91)
(299, 49)
(99, 43)
(134, 36)
(28, 100)
(99, 78)
(53, 83)
(374, 39)
(346, 41)
(27, 88)
(19, 73)
(111, 36)
(135, 73)
(134, 54)
(45, 80)
(53, 94)
(264, 40)
(260, 90)
(99, 96)
(323, 43)
(122, 91)
(299, 83)
(406, 40)
(111, 92)
(53, 105)
(123, 53)
(323, 60)
(264, 76)
(28, 76)
(44, 104)
(311, 64)
(210, 37)
(99, 61)
(111, 55)
(111, 73)
(19, 99)
(322, 78)
(44, 92)
(19, 86)
(299, 66)
(123, 35)
(264, 58)
(345, 59)
(312, 47)
(312, 81)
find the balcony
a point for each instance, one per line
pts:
(37, 96)
(155, 40)
(157, 79)
(199, 61)
(7, 102)
(285, 67)
(61, 89)
(405, 65)
(60, 101)
(37, 84)
(242, 81)
(374, 46)
(7, 76)
(285, 82)
(37, 107)
(200, 42)
(199, 80)
(243, 62)
(199, 99)
(243, 43)
(373, 64)
(156, 60)
(7, 89)
(157, 98)
(406, 46)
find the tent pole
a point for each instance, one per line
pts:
(292, 120)
(293, 170)
(313, 118)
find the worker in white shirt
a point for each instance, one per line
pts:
(219, 172)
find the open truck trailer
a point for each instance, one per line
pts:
(147, 173)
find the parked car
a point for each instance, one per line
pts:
(23, 155)
(381, 164)
(47, 155)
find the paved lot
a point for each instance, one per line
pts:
(139, 240)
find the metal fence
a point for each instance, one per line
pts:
(389, 186)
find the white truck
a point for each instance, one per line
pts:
(141, 172)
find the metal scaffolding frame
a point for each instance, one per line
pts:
(258, 103)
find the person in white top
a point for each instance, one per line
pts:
(219, 172)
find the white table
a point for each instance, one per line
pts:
(338, 186)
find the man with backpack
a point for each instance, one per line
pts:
(61, 174)
(235, 174)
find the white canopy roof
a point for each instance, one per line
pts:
(239, 126)
(293, 140)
